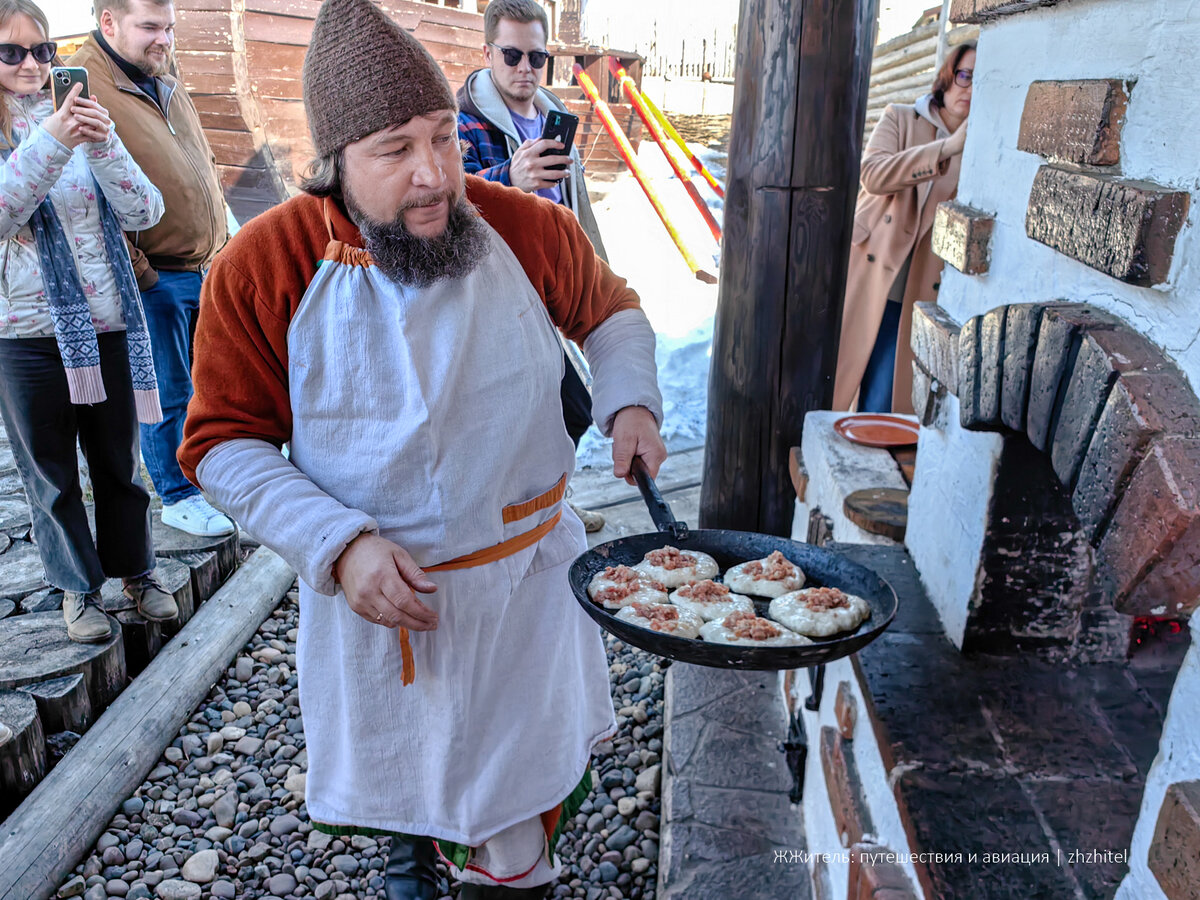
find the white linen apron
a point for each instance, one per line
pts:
(446, 412)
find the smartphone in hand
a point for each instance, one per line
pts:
(560, 126)
(63, 78)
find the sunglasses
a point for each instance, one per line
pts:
(14, 54)
(963, 77)
(512, 56)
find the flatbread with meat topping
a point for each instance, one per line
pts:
(748, 630)
(770, 577)
(674, 567)
(662, 617)
(820, 611)
(710, 600)
(619, 586)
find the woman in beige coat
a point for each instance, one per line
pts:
(910, 166)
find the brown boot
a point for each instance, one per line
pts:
(86, 621)
(152, 599)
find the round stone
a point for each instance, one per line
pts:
(201, 868)
(282, 825)
(175, 889)
(346, 864)
(282, 884)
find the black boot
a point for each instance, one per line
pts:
(411, 873)
(499, 892)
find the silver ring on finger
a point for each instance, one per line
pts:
(379, 617)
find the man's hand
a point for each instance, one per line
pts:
(379, 578)
(530, 171)
(635, 433)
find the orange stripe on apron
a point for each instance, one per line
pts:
(339, 251)
(492, 554)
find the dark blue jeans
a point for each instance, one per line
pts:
(171, 308)
(875, 392)
(43, 426)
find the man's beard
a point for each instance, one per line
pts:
(416, 261)
(154, 69)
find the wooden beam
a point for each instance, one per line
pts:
(60, 821)
(790, 192)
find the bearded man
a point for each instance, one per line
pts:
(395, 327)
(128, 59)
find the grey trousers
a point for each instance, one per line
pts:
(43, 426)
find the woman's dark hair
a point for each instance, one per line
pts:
(323, 176)
(945, 75)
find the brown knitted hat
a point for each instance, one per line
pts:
(363, 73)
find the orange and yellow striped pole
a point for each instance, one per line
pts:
(678, 139)
(626, 150)
(635, 97)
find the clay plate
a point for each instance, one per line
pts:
(877, 430)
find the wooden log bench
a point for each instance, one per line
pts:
(22, 748)
(60, 821)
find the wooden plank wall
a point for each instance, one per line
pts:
(243, 70)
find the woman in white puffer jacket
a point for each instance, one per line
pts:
(74, 355)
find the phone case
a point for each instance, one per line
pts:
(560, 126)
(63, 78)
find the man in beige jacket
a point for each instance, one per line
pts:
(128, 59)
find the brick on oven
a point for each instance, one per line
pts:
(991, 366)
(1104, 355)
(1174, 855)
(968, 372)
(1074, 121)
(873, 876)
(1139, 408)
(962, 236)
(1125, 229)
(935, 343)
(1148, 562)
(850, 814)
(1057, 343)
(846, 711)
(974, 12)
(1020, 344)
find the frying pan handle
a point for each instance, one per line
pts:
(660, 512)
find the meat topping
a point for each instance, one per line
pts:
(825, 598)
(776, 568)
(622, 574)
(615, 593)
(706, 591)
(670, 558)
(660, 616)
(748, 626)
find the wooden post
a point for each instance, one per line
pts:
(799, 102)
(943, 25)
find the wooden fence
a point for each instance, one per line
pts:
(903, 68)
(693, 56)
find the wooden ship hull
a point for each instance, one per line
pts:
(241, 61)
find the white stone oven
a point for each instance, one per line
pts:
(1054, 513)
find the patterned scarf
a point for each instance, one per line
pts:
(72, 315)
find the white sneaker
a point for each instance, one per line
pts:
(195, 516)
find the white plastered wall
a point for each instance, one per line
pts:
(1178, 760)
(1151, 41)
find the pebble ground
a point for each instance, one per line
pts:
(222, 814)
